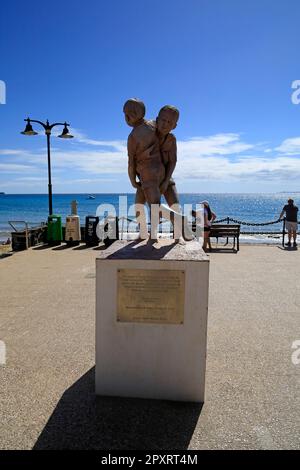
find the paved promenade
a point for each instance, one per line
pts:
(47, 396)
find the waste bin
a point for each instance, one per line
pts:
(54, 230)
(72, 233)
(91, 238)
(111, 230)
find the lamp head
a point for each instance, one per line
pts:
(65, 133)
(28, 129)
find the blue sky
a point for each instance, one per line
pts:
(228, 65)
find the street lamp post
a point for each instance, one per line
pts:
(48, 128)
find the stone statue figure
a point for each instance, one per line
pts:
(144, 157)
(152, 156)
(166, 121)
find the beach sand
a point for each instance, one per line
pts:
(47, 322)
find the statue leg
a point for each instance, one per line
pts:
(153, 195)
(140, 213)
(179, 221)
(172, 198)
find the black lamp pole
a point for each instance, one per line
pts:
(49, 175)
(48, 128)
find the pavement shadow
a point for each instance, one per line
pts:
(42, 247)
(99, 248)
(62, 247)
(223, 250)
(135, 250)
(287, 248)
(83, 421)
(5, 255)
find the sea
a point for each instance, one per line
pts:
(243, 207)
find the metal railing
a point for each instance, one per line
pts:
(235, 221)
(258, 224)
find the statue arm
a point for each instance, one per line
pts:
(170, 166)
(131, 148)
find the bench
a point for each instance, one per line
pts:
(226, 231)
(31, 236)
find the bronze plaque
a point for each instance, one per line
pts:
(150, 296)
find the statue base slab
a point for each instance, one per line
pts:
(151, 320)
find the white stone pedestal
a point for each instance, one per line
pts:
(140, 358)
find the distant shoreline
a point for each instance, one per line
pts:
(132, 193)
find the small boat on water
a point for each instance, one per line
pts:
(90, 196)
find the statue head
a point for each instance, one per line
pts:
(167, 119)
(134, 110)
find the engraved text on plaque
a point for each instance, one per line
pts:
(150, 296)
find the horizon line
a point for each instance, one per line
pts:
(3, 193)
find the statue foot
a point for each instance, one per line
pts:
(142, 237)
(187, 233)
(180, 241)
(152, 241)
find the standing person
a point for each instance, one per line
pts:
(208, 217)
(291, 214)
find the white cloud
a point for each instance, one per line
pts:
(92, 162)
(12, 152)
(86, 181)
(221, 157)
(117, 145)
(32, 179)
(290, 146)
(244, 168)
(219, 144)
(15, 167)
(114, 161)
